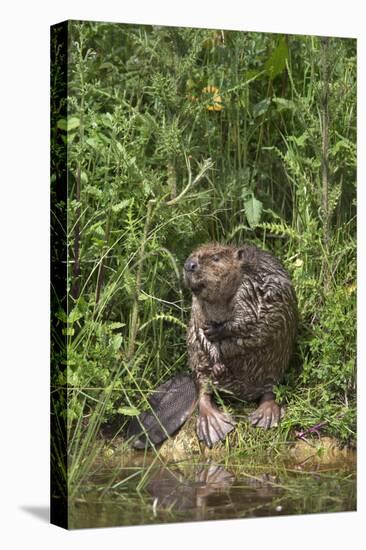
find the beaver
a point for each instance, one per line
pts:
(240, 336)
(241, 333)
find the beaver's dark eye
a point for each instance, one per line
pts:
(216, 258)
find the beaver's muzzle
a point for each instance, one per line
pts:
(191, 265)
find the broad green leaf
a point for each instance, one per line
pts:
(276, 63)
(72, 123)
(261, 107)
(115, 325)
(62, 124)
(116, 342)
(61, 314)
(84, 177)
(74, 315)
(253, 210)
(107, 120)
(283, 103)
(129, 411)
(70, 138)
(68, 124)
(107, 65)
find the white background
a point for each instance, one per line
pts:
(24, 271)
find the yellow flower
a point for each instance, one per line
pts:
(352, 288)
(215, 99)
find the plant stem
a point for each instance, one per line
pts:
(76, 266)
(75, 289)
(172, 179)
(101, 271)
(103, 261)
(325, 148)
(135, 307)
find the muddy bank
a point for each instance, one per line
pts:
(184, 446)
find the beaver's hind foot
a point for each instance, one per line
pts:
(268, 414)
(212, 424)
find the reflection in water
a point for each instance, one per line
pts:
(189, 492)
(171, 489)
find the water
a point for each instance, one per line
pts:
(144, 491)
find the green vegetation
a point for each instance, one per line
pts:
(177, 137)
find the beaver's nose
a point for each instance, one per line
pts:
(191, 265)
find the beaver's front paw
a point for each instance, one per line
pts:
(218, 369)
(267, 415)
(215, 331)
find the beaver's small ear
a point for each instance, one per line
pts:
(247, 254)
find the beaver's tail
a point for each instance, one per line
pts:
(171, 405)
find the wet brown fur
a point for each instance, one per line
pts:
(243, 320)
